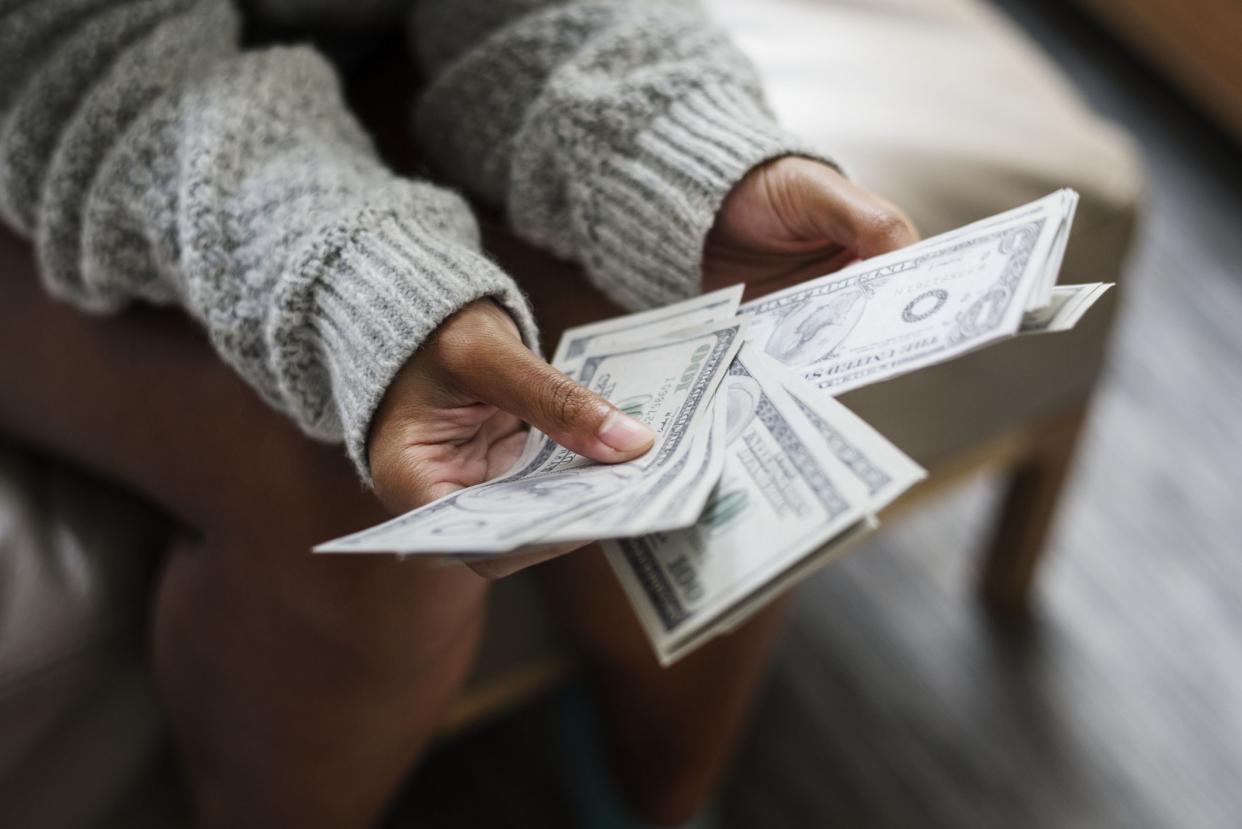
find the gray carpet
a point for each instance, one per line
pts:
(895, 704)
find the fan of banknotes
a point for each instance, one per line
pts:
(758, 475)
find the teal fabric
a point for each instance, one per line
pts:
(597, 802)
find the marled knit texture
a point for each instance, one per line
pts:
(150, 158)
(609, 130)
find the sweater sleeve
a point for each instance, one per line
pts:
(610, 131)
(150, 158)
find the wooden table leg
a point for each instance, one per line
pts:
(1026, 514)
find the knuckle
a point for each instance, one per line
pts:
(565, 401)
(887, 228)
(886, 224)
(455, 337)
(466, 339)
(401, 480)
(386, 482)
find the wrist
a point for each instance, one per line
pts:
(388, 282)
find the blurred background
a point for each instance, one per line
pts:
(895, 700)
(898, 698)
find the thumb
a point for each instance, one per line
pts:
(515, 380)
(848, 214)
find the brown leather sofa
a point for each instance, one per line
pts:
(937, 104)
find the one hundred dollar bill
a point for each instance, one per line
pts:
(645, 326)
(883, 469)
(730, 620)
(669, 384)
(784, 494)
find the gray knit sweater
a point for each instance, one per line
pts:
(151, 158)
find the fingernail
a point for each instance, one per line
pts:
(624, 433)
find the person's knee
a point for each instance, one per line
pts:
(272, 501)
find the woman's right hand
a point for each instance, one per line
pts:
(453, 417)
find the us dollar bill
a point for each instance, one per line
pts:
(645, 325)
(784, 493)
(917, 306)
(669, 384)
(1067, 306)
(748, 491)
(677, 497)
(670, 497)
(764, 594)
(882, 469)
(1059, 209)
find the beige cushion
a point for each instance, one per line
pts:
(936, 104)
(940, 105)
(943, 107)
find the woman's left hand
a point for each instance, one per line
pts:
(793, 219)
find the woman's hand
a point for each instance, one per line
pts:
(793, 219)
(453, 417)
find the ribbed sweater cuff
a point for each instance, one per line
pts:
(395, 282)
(654, 208)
